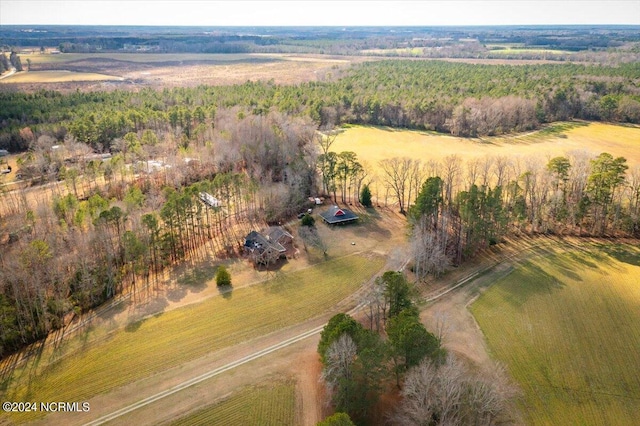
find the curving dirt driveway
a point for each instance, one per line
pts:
(11, 72)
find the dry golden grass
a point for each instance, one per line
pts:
(37, 58)
(187, 69)
(57, 77)
(373, 144)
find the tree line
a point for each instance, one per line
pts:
(459, 210)
(457, 98)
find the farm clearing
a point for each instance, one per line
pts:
(87, 359)
(132, 70)
(58, 76)
(564, 324)
(373, 144)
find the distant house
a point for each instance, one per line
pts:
(336, 215)
(268, 247)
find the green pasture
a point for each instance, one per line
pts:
(265, 404)
(520, 48)
(566, 325)
(171, 338)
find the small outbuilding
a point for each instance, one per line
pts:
(336, 215)
(209, 199)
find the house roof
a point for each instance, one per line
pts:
(256, 241)
(336, 214)
(275, 233)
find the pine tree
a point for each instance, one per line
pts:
(365, 196)
(223, 277)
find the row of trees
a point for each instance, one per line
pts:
(12, 62)
(456, 215)
(395, 351)
(463, 99)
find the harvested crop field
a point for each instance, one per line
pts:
(178, 70)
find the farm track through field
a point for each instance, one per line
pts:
(289, 341)
(205, 376)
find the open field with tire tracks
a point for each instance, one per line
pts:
(168, 339)
(565, 325)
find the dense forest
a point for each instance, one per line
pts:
(462, 99)
(114, 222)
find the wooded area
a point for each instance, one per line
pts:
(256, 148)
(457, 98)
(113, 228)
(395, 351)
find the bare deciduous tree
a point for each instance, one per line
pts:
(338, 371)
(452, 395)
(429, 248)
(395, 173)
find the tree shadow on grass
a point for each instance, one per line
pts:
(622, 253)
(116, 307)
(133, 326)
(177, 293)
(279, 283)
(226, 291)
(530, 280)
(196, 279)
(582, 261)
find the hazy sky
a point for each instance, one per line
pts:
(311, 12)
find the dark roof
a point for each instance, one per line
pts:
(275, 233)
(256, 241)
(336, 214)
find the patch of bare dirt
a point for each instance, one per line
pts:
(310, 405)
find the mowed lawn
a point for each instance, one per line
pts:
(174, 337)
(266, 404)
(567, 326)
(373, 144)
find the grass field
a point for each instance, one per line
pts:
(519, 48)
(566, 326)
(406, 51)
(266, 404)
(162, 70)
(151, 58)
(171, 338)
(373, 144)
(57, 77)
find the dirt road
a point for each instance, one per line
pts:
(11, 72)
(184, 388)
